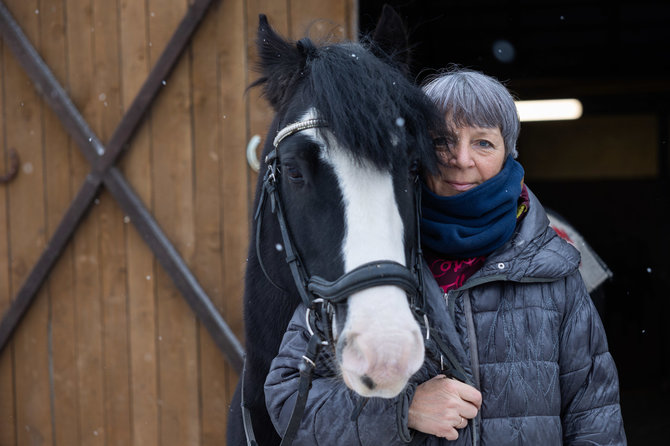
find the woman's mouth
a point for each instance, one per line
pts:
(461, 187)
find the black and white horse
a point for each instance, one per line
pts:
(351, 133)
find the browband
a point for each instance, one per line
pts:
(297, 127)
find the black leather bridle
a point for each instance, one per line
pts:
(320, 295)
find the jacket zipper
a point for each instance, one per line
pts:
(474, 358)
(449, 299)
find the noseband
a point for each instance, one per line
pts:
(318, 294)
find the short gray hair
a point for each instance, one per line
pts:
(475, 99)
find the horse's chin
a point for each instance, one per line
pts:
(358, 385)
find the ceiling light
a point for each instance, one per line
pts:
(549, 110)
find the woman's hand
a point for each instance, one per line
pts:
(442, 405)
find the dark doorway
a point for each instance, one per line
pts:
(606, 173)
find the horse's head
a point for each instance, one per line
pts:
(347, 181)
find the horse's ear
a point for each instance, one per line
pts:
(390, 36)
(280, 61)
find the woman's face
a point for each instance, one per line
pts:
(476, 155)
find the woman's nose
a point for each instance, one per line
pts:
(460, 155)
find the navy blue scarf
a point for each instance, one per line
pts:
(475, 222)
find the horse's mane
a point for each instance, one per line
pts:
(367, 101)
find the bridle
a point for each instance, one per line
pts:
(320, 295)
(315, 290)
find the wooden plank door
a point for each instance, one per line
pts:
(109, 351)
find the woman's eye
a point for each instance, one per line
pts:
(483, 143)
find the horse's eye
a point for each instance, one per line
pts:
(293, 173)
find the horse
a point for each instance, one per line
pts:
(336, 213)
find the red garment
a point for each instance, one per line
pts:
(452, 274)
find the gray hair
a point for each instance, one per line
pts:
(476, 100)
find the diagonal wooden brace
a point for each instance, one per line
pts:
(102, 159)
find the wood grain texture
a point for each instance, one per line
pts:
(208, 158)
(172, 138)
(24, 115)
(141, 274)
(59, 194)
(85, 243)
(110, 353)
(7, 403)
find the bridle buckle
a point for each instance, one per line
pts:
(327, 312)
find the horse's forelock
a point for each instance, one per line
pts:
(370, 107)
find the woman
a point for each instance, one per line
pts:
(505, 294)
(533, 338)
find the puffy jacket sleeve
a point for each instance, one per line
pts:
(591, 414)
(328, 414)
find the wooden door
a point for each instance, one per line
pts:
(109, 352)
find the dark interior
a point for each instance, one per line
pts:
(606, 173)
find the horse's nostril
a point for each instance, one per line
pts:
(368, 382)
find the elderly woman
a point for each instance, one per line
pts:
(505, 295)
(533, 340)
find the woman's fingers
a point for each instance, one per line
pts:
(465, 391)
(442, 405)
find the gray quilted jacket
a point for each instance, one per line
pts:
(525, 332)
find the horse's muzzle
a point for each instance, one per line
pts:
(381, 345)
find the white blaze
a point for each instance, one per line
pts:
(373, 227)
(384, 343)
(374, 230)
